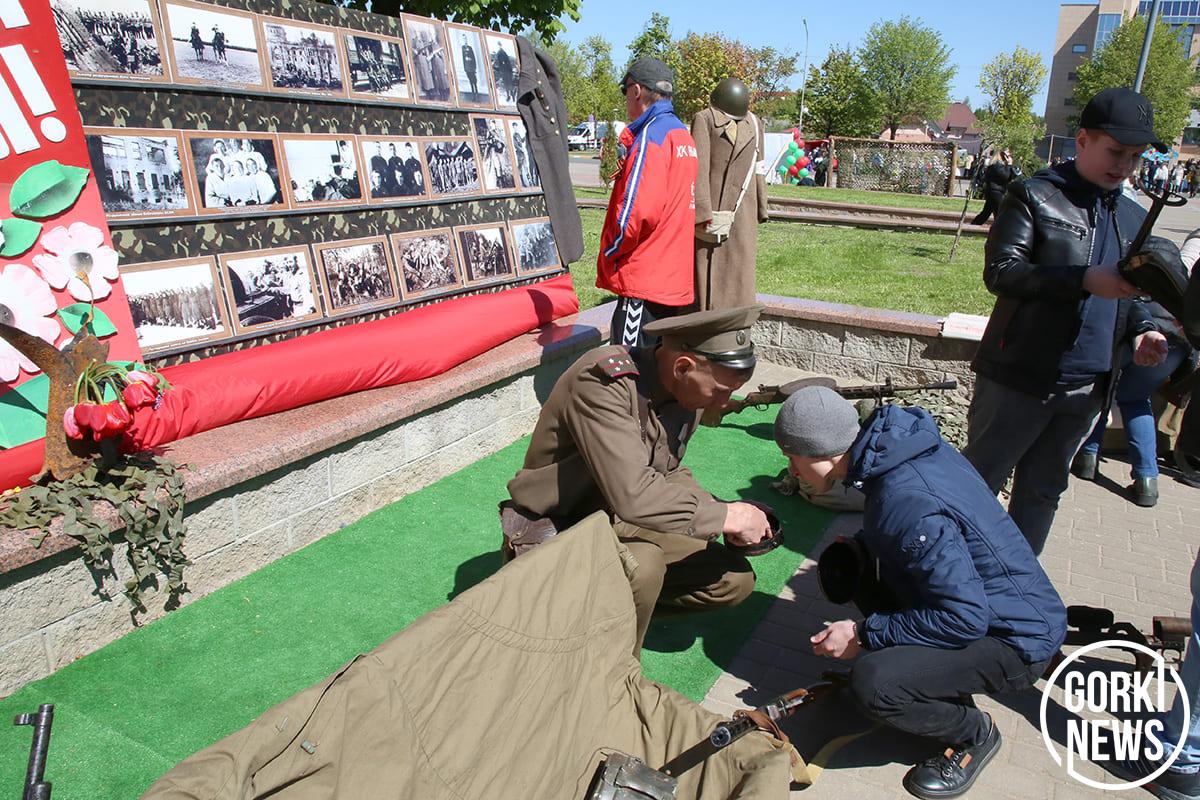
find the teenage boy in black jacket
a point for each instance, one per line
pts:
(1047, 354)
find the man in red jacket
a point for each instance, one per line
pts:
(646, 244)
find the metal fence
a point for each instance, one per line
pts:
(887, 166)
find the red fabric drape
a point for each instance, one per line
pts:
(266, 380)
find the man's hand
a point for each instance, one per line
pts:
(745, 524)
(838, 640)
(1105, 280)
(1149, 348)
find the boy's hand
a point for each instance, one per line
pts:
(838, 640)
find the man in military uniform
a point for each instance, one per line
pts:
(611, 436)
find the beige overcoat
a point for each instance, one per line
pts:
(515, 690)
(725, 271)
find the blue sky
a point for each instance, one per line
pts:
(974, 33)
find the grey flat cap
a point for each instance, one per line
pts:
(816, 422)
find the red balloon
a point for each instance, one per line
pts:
(834, 163)
(793, 169)
(803, 162)
(799, 141)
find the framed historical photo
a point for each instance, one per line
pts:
(430, 59)
(394, 167)
(534, 248)
(175, 303)
(213, 46)
(235, 171)
(427, 262)
(356, 274)
(376, 68)
(140, 172)
(269, 288)
(495, 153)
(506, 67)
(528, 179)
(471, 80)
(453, 169)
(322, 169)
(485, 254)
(109, 39)
(303, 58)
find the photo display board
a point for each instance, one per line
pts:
(272, 166)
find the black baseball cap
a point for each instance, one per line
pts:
(1123, 114)
(651, 73)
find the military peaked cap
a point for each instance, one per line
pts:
(720, 335)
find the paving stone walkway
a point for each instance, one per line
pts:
(1103, 550)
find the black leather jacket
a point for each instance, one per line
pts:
(1038, 249)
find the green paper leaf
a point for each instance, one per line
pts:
(73, 315)
(19, 236)
(46, 189)
(23, 412)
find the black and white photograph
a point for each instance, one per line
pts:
(268, 288)
(394, 168)
(471, 78)
(527, 171)
(452, 167)
(356, 274)
(235, 171)
(140, 173)
(322, 170)
(175, 303)
(303, 58)
(427, 262)
(533, 245)
(110, 38)
(484, 251)
(213, 47)
(495, 154)
(376, 67)
(502, 55)
(430, 62)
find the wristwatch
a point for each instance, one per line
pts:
(860, 635)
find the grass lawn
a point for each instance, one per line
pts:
(858, 196)
(876, 269)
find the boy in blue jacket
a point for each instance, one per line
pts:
(958, 604)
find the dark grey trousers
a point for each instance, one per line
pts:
(1009, 430)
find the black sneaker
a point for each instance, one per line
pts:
(953, 772)
(1169, 786)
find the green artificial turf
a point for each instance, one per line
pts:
(128, 712)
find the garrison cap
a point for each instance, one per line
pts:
(721, 335)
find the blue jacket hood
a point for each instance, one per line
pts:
(890, 437)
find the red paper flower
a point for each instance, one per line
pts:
(139, 393)
(137, 376)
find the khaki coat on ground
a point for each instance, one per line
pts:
(513, 691)
(725, 271)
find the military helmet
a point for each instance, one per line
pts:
(732, 97)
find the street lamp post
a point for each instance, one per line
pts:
(1141, 67)
(803, 74)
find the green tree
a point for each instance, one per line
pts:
(543, 16)
(1010, 80)
(780, 107)
(907, 66)
(700, 62)
(588, 79)
(772, 69)
(838, 99)
(654, 41)
(1170, 73)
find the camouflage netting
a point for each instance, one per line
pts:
(886, 166)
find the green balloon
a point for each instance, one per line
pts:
(803, 173)
(783, 169)
(792, 158)
(793, 147)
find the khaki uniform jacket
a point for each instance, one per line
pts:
(589, 451)
(515, 690)
(725, 271)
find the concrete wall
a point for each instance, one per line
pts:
(50, 613)
(866, 354)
